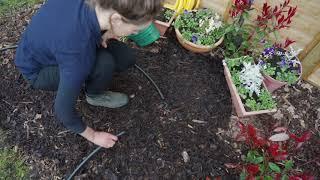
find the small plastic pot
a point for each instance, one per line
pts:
(146, 36)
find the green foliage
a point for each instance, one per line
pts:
(202, 27)
(267, 178)
(269, 70)
(281, 73)
(286, 75)
(243, 175)
(235, 41)
(288, 165)
(255, 103)
(267, 168)
(274, 167)
(281, 64)
(266, 100)
(168, 13)
(254, 157)
(11, 165)
(7, 6)
(263, 102)
(236, 63)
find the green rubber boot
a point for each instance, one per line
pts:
(108, 99)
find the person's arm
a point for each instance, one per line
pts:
(72, 76)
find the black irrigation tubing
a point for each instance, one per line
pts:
(154, 84)
(98, 148)
(9, 47)
(88, 157)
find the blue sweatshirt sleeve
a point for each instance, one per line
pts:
(73, 72)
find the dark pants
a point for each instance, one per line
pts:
(116, 58)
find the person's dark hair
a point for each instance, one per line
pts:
(134, 11)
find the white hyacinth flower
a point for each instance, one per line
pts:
(251, 78)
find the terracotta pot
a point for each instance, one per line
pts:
(194, 47)
(236, 100)
(273, 84)
(163, 26)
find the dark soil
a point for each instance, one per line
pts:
(157, 131)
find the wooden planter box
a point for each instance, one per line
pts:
(236, 100)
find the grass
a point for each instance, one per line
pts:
(12, 165)
(9, 6)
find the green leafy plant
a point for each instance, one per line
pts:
(165, 15)
(268, 158)
(11, 165)
(247, 78)
(168, 13)
(202, 27)
(281, 64)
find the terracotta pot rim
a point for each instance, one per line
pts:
(196, 45)
(300, 75)
(167, 23)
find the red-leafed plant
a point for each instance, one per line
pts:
(240, 7)
(277, 17)
(256, 32)
(269, 157)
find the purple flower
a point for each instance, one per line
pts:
(194, 38)
(268, 52)
(291, 64)
(299, 70)
(186, 12)
(283, 63)
(261, 62)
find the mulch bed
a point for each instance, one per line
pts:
(157, 131)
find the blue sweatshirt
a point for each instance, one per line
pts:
(64, 33)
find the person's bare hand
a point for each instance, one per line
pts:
(102, 139)
(106, 36)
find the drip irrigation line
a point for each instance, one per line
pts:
(9, 47)
(88, 157)
(154, 84)
(118, 135)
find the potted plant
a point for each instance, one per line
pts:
(199, 31)
(164, 20)
(280, 67)
(248, 92)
